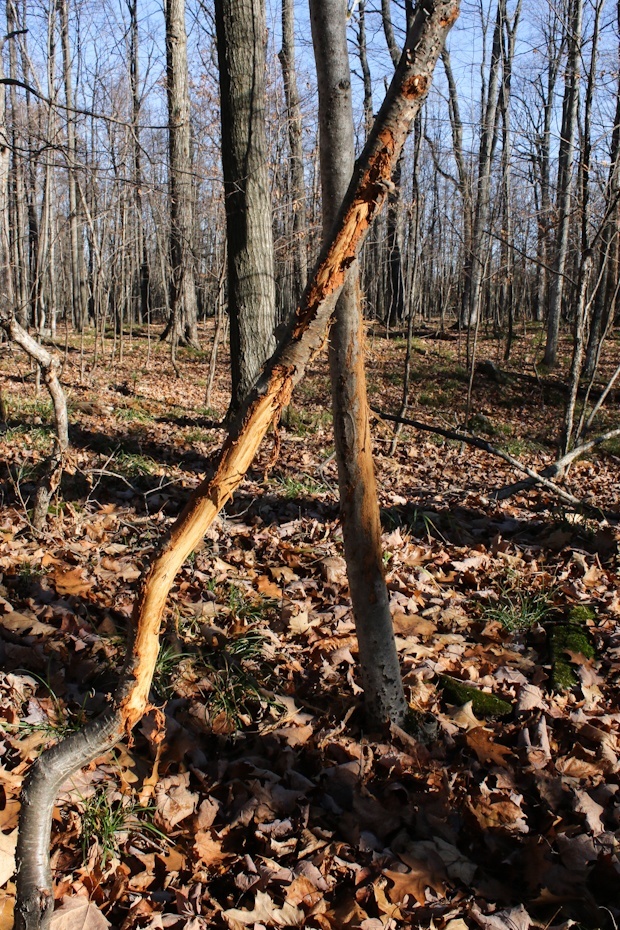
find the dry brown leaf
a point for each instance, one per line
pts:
(464, 717)
(479, 739)
(422, 875)
(265, 911)
(173, 800)
(268, 588)
(71, 581)
(78, 913)
(283, 574)
(209, 849)
(303, 891)
(333, 569)
(7, 907)
(207, 812)
(22, 623)
(8, 842)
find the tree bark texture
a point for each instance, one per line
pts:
(79, 290)
(476, 261)
(359, 507)
(240, 26)
(296, 163)
(565, 167)
(183, 305)
(365, 196)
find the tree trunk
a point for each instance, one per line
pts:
(480, 233)
(365, 196)
(359, 506)
(607, 291)
(79, 294)
(17, 199)
(464, 181)
(182, 286)
(296, 162)
(141, 257)
(240, 26)
(565, 171)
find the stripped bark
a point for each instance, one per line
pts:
(365, 197)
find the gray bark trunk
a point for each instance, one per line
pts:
(565, 171)
(240, 28)
(480, 237)
(296, 162)
(79, 291)
(359, 506)
(182, 289)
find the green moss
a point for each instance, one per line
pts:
(563, 677)
(581, 613)
(483, 703)
(567, 638)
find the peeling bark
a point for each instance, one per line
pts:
(366, 195)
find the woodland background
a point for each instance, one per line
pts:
(254, 793)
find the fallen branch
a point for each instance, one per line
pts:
(557, 468)
(367, 192)
(49, 365)
(475, 441)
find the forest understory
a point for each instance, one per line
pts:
(252, 795)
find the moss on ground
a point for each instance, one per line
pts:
(566, 638)
(482, 703)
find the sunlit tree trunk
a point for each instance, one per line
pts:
(141, 256)
(296, 162)
(79, 292)
(606, 299)
(182, 285)
(565, 179)
(359, 506)
(478, 254)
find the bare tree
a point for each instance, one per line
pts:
(183, 305)
(296, 157)
(565, 180)
(241, 37)
(359, 506)
(79, 291)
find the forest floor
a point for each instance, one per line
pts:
(258, 799)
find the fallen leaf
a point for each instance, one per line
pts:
(480, 741)
(516, 918)
(78, 913)
(268, 588)
(173, 800)
(333, 569)
(423, 874)
(209, 850)
(8, 842)
(22, 623)
(265, 911)
(464, 717)
(71, 581)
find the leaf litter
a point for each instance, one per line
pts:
(252, 795)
